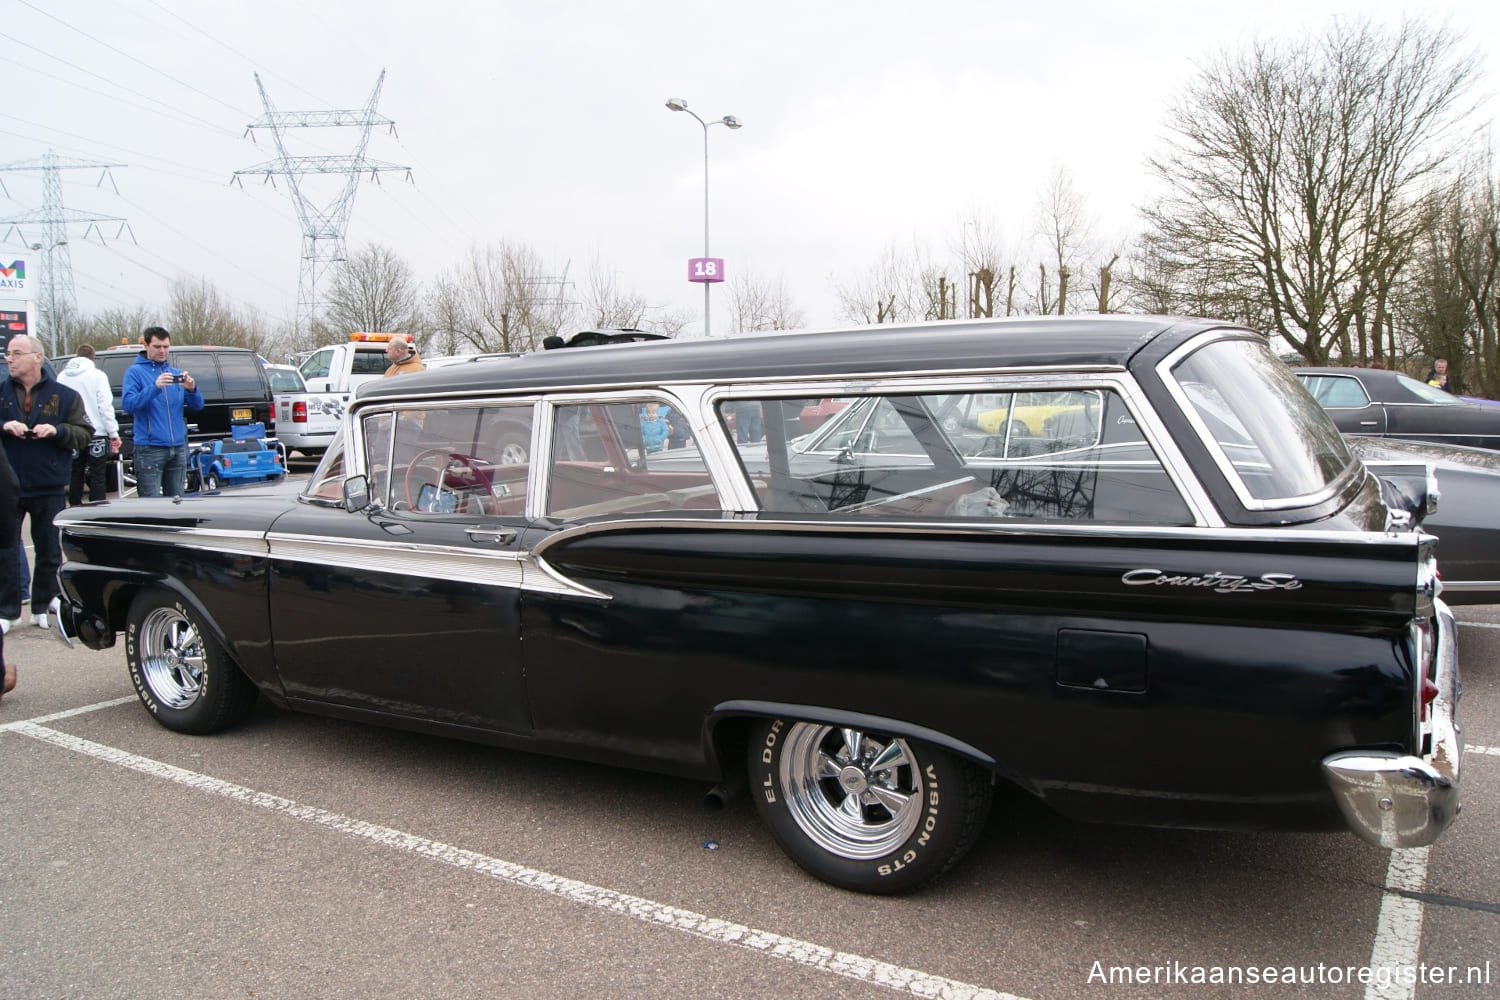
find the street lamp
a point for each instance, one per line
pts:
(705, 269)
(51, 293)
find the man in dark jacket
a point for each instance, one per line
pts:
(42, 422)
(155, 394)
(10, 527)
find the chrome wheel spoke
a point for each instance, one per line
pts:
(893, 755)
(895, 802)
(854, 741)
(826, 767)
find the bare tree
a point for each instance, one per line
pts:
(606, 305)
(503, 298)
(984, 265)
(198, 313)
(757, 302)
(375, 290)
(110, 328)
(892, 290)
(1451, 300)
(1064, 227)
(1295, 174)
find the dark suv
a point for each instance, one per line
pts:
(232, 380)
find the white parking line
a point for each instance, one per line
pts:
(1481, 624)
(867, 970)
(1480, 748)
(1398, 928)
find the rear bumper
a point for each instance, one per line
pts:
(1401, 800)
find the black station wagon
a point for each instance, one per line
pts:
(1126, 564)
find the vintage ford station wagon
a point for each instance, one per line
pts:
(1126, 564)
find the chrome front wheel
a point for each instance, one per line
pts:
(181, 673)
(171, 657)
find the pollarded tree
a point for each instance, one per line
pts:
(1296, 174)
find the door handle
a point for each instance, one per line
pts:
(1369, 423)
(500, 536)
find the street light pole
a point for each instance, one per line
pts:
(706, 269)
(51, 294)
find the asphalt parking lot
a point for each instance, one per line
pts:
(297, 857)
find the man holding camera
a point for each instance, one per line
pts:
(155, 394)
(43, 422)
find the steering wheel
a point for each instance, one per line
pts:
(440, 467)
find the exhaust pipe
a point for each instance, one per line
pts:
(724, 792)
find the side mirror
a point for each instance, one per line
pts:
(356, 493)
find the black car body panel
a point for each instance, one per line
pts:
(1467, 519)
(1057, 550)
(1382, 403)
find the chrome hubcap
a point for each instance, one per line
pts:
(171, 655)
(855, 794)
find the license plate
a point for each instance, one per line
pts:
(242, 413)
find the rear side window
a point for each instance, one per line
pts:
(1336, 391)
(1066, 454)
(201, 366)
(368, 363)
(243, 376)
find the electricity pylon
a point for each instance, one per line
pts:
(323, 228)
(53, 220)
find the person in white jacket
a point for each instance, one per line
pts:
(91, 464)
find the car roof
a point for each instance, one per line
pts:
(1049, 342)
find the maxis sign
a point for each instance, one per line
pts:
(13, 278)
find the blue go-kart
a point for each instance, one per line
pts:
(243, 457)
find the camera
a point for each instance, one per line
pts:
(30, 433)
(179, 377)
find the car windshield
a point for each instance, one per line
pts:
(1279, 443)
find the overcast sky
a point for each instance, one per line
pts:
(544, 123)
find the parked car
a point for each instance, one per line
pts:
(1466, 522)
(236, 392)
(284, 378)
(1186, 604)
(1383, 403)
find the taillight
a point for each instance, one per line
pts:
(1422, 634)
(1429, 695)
(299, 413)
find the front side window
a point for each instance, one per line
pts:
(467, 460)
(1253, 412)
(1072, 454)
(318, 365)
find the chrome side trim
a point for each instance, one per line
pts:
(1401, 800)
(251, 543)
(782, 524)
(1460, 586)
(436, 562)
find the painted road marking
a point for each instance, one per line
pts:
(857, 967)
(1398, 928)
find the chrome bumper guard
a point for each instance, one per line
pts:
(1398, 800)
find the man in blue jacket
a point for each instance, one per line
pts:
(43, 422)
(154, 394)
